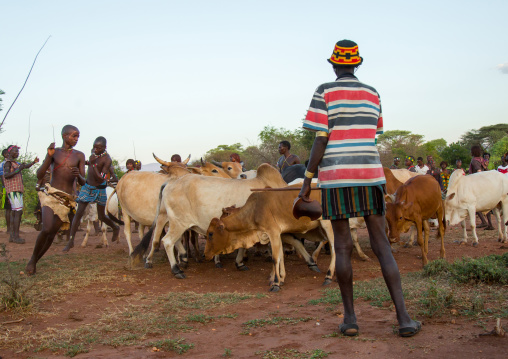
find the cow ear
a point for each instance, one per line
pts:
(220, 226)
(450, 196)
(389, 198)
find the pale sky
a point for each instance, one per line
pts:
(184, 77)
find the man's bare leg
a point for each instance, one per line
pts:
(381, 248)
(75, 224)
(50, 226)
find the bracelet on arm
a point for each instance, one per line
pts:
(309, 174)
(321, 134)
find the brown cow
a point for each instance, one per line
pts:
(264, 218)
(415, 202)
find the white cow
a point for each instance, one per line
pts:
(482, 191)
(91, 216)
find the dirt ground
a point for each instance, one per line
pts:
(443, 337)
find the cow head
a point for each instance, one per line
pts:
(454, 211)
(165, 165)
(233, 169)
(396, 216)
(209, 169)
(217, 238)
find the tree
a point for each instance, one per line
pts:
(455, 151)
(498, 150)
(1, 93)
(486, 136)
(434, 148)
(399, 143)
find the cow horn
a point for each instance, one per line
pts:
(202, 163)
(218, 164)
(161, 161)
(187, 160)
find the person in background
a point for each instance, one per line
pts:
(13, 181)
(486, 159)
(504, 164)
(130, 165)
(287, 159)
(410, 163)
(138, 166)
(420, 167)
(458, 164)
(445, 174)
(6, 204)
(176, 158)
(235, 157)
(395, 165)
(477, 165)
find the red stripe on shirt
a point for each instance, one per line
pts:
(315, 117)
(353, 134)
(351, 95)
(351, 173)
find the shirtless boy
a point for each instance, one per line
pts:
(287, 159)
(57, 199)
(94, 190)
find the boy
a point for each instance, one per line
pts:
(94, 190)
(287, 159)
(57, 200)
(13, 181)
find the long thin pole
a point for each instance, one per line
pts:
(31, 68)
(28, 140)
(283, 189)
(134, 150)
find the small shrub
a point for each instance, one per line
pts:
(435, 300)
(491, 269)
(175, 345)
(15, 295)
(436, 268)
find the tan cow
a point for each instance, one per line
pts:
(192, 202)
(415, 202)
(264, 218)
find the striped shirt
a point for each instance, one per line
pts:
(350, 112)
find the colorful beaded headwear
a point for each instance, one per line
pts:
(411, 158)
(346, 53)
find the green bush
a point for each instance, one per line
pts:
(436, 268)
(491, 269)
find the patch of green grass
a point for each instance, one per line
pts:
(172, 345)
(292, 354)
(331, 335)
(469, 286)
(277, 321)
(200, 318)
(227, 352)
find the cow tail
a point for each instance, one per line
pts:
(142, 247)
(111, 216)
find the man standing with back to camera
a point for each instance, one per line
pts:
(346, 114)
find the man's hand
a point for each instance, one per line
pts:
(93, 158)
(36, 160)
(51, 150)
(75, 172)
(305, 191)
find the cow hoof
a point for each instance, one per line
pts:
(274, 288)
(242, 268)
(180, 275)
(148, 265)
(314, 268)
(327, 281)
(218, 265)
(475, 244)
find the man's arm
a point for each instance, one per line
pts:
(113, 177)
(316, 154)
(41, 171)
(22, 166)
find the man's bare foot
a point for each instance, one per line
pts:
(69, 245)
(116, 234)
(30, 268)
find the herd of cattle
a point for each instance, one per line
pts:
(182, 202)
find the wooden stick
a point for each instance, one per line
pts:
(281, 189)
(13, 321)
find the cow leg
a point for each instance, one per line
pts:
(127, 231)
(277, 256)
(282, 267)
(141, 231)
(421, 240)
(426, 235)
(218, 263)
(316, 252)
(330, 235)
(440, 217)
(504, 207)
(500, 233)
(195, 244)
(87, 234)
(354, 236)
(464, 232)
(174, 235)
(472, 218)
(159, 226)
(239, 260)
(289, 239)
(183, 258)
(104, 228)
